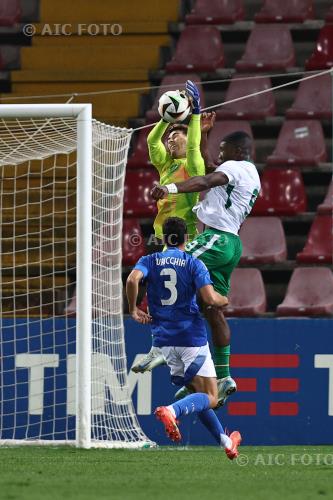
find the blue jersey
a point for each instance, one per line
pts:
(173, 277)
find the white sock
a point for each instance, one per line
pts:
(226, 441)
(170, 407)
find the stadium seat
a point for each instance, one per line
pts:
(329, 15)
(309, 293)
(10, 12)
(282, 193)
(252, 108)
(327, 206)
(263, 240)
(247, 293)
(322, 56)
(139, 157)
(137, 199)
(168, 83)
(216, 12)
(220, 130)
(313, 99)
(269, 47)
(199, 49)
(319, 245)
(300, 142)
(294, 11)
(133, 242)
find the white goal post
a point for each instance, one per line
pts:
(61, 202)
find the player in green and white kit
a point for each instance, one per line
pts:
(233, 189)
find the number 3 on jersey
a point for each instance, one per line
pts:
(170, 284)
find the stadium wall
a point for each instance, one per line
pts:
(283, 367)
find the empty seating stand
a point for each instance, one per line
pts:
(137, 199)
(327, 206)
(199, 49)
(173, 82)
(319, 247)
(247, 293)
(309, 293)
(10, 12)
(313, 99)
(253, 108)
(322, 56)
(140, 157)
(282, 193)
(223, 128)
(269, 47)
(216, 12)
(293, 11)
(263, 240)
(329, 15)
(133, 242)
(299, 143)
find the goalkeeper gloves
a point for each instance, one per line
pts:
(193, 92)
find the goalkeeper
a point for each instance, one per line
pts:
(177, 162)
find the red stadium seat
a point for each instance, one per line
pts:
(269, 47)
(313, 99)
(327, 206)
(133, 242)
(216, 12)
(293, 11)
(329, 15)
(222, 129)
(137, 199)
(282, 193)
(309, 293)
(199, 49)
(263, 240)
(10, 12)
(140, 157)
(247, 293)
(299, 143)
(173, 82)
(252, 108)
(322, 56)
(319, 245)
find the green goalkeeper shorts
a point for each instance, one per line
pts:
(220, 251)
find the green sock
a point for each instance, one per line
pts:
(221, 361)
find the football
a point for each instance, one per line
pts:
(174, 106)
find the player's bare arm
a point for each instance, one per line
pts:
(132, 289)
(193, 185)
(212, 298)
(207, 123)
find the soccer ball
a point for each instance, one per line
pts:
(174, 106)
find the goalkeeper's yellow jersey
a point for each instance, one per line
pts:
(177, 170)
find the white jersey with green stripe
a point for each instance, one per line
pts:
(226, 207)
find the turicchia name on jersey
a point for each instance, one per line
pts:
(170, 260)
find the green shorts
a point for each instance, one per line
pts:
(220, 251)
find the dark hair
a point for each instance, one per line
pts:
(174, 231)
(238, 138)
(241, 140)
(178, 126)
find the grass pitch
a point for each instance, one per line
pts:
(261, 473)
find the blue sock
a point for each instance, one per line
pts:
(193, 403)
(212, 423)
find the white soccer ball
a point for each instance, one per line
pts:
(174, 106)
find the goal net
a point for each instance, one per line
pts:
(63, 362)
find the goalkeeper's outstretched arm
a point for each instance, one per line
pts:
(157, 152)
